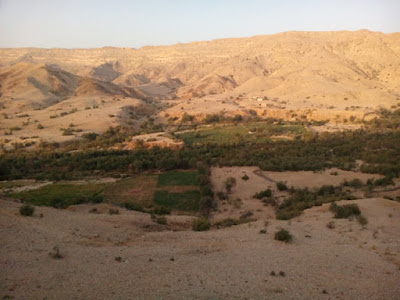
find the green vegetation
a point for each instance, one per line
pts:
(283, 235)
(185, 201)
(230, 182)
(178, 178)
(263, 194)
(135, 193)
(345, 211)
(233, 222)
(26, 210)
(201, 224)
(281, 186)
(162, 220)
(63, 195)
(378, 151)
(256, 132)
(301, 199)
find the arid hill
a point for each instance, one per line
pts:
(322, 75)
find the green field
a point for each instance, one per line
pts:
(178, 178)
(177, 190)
(139, 190)
(62, 195)
(254, 132)
(185, 201)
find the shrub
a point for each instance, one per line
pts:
(201, 224)
(362, 220)
(56, 253)
(161, 210)
(330, 225)
(159, 219)
(113, 211)
(263, 194)
(281, 186)
(326, 190)
(344, 211)
(245, 177)
(233, 222)
(222, 196)
(355, 183)
(94, 211)
(229, 184)
(269, 201)
(27, 210)
(133, 206)
(283, 235)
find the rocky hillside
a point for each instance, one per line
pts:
(329, 73)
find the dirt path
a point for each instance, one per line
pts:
(259, 173)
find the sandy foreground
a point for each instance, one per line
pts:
(347, 262)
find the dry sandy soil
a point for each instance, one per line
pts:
(315, 75)
(173, 262)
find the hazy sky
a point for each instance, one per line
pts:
(124, 23)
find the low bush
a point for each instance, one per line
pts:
(27, 210)
(201, 224)
(344, 211)
(331, 225)
(362, 220)
(269, 201)
(56, 253)
(283, 235)
(355, 183)
(281, 186)
(228, 222)
(161, 210)
(245, 177)
(159, 219)
(222, 196)
(113, 211)
(133, 206)
(263, 194)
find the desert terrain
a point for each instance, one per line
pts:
(128, 256)
(335, 77)
(248, 168)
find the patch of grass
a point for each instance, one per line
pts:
(185, 201)
(179, 178)
(63, 195)
(201, 224)
(283, 235)
(137, 190)
(26, 210)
